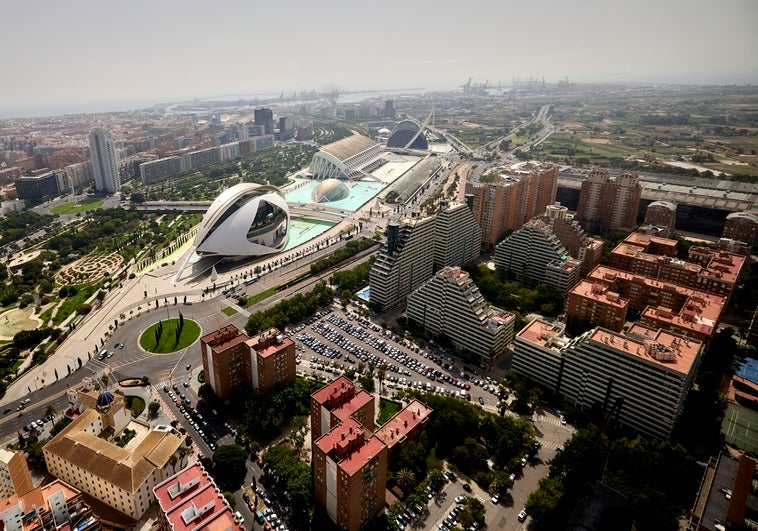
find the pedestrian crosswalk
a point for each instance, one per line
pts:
(547, 419)
(548, 445)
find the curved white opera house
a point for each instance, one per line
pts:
(245, 220)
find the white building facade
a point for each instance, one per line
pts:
(450, 304)
(103, 156)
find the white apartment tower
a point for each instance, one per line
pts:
(534, 251)
(103, 156)
(450, 304)
(651, 369)
(419, 246)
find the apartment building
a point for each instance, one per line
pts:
(708, 270)
(223, 352)
(525, 254)
(513, 198)
(660, 218)
(450, 305)
(159, 170)
(652, 370)
(418, 246)
(15, 477)
(652, 244)
(742, 226)
(350, 474)
(456, 232)
(231, 359)
(78, 174)
(403, 426)
(596, 304)
(338, 401)
(271, 362)
(56, 505)
(8, 175)
(537, 352)
(200, 158)
(104, 161)
(191, 500)
(685, 311)
(589, 251)
(607, 203)
(721, 270)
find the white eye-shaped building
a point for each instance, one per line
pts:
(245, 220)
(330, 190)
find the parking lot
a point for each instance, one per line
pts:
(333, 342)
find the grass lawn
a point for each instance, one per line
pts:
(135, 403)
(228, 311)
(258, 297)
(167, 342)
(387, 408)
(70, 208)
(72, 304)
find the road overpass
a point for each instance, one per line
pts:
(296, 209)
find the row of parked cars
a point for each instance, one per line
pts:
(194, 417)
(35, 425)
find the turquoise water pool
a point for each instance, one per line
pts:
(305, 229)
(360, 193)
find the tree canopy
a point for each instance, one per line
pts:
(229, 464)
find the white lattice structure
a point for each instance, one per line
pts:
(345, 158)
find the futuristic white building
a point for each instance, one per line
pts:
(407, 135)
(245, 220)
(344, 158)
(330, 190)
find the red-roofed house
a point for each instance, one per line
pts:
(350, 474)
(403, 426)
(231, 358)
(190, 500)
(56, 505)
(338, 401)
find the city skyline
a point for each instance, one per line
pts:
(86, 57)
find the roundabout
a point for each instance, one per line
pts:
(169, 336)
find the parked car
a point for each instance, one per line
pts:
(522, 515)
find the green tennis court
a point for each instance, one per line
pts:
(740, 427)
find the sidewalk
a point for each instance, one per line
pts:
(129, 299)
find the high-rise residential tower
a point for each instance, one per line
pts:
(103, 156)
(265, 117)
(419, 246)
(511, 199)
(607, 204)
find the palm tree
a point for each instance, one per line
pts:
(380, 374)
(50, 413)
(183, 452)
(172, 460)
(406, 479)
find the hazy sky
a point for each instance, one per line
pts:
(97, 52)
